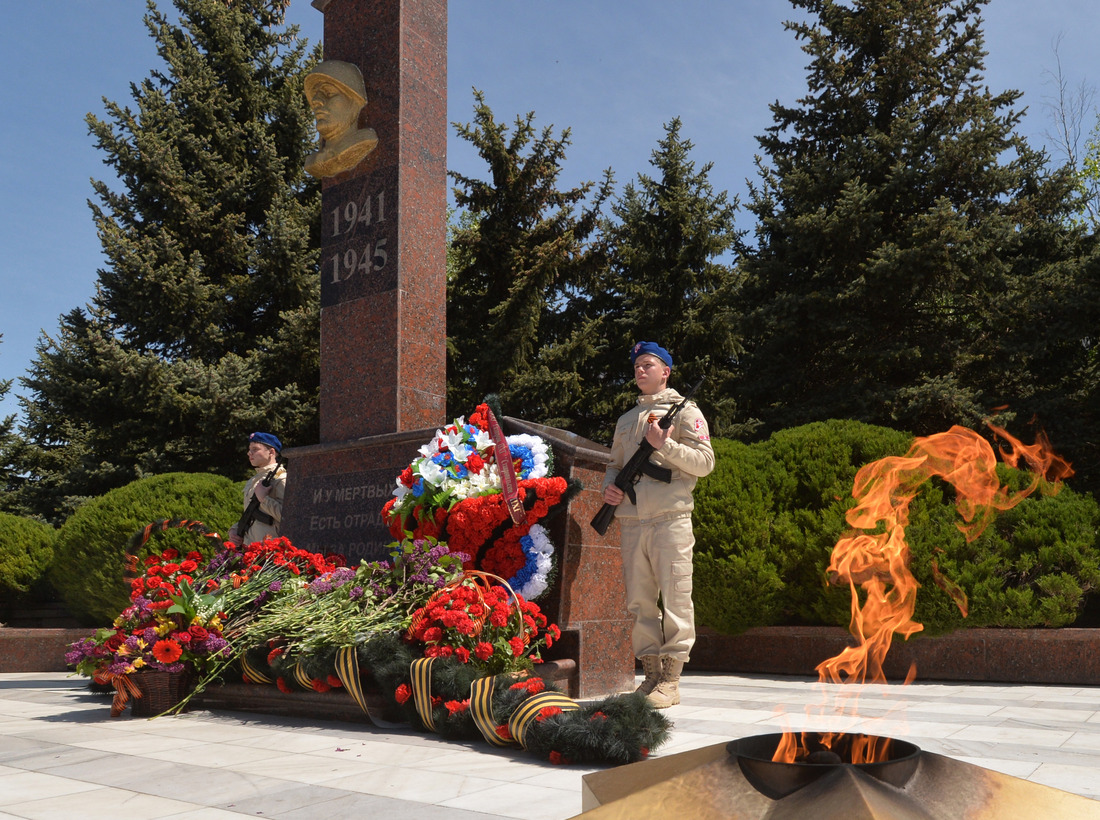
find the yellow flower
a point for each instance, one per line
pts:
(138, 663)
(164, 628)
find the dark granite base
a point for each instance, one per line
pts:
(1046, 656)
(332, 705)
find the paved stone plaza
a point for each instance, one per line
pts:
(62, 755)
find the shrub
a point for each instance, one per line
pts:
(768, 516)
(89, 560)
(26, 550)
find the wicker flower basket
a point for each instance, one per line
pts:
(160, 691)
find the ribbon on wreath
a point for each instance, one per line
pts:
(253, 672)
(301, 678)
(347, 670)
(421, 670)
(529, 710)
(509, 485)
(481, 710)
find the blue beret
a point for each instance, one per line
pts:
(653, 349)
(266, 438)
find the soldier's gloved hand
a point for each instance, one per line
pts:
(260, 491)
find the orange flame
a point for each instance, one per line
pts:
(877, 559)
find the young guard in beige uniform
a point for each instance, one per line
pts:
(263, 455)
(657, 539)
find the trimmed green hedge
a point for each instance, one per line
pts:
(768, 516)
(89, 560)
(26, 550)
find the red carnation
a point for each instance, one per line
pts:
(483, 651)
(283, 687)
(503, 733)
(463, 654)
(535, 685)
(547, 712)
(334, 681)
(457, 706)
(517, 646)
(558, 759)
(403, 693)
(475, 463)
(433, 635)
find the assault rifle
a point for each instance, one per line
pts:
(252, 511)
(639, 465)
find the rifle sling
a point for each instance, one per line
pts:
(263, 517)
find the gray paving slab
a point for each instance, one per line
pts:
(63, 756)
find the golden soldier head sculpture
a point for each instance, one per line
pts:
(337, 95)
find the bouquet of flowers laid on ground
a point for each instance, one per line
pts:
(340, 607)
(168, 627)
(180, 611)
(452, 491)
(182, 633)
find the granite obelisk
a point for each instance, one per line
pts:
(383, 273)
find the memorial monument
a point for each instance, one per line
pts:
(379, 97)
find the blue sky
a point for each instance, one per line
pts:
(612, 72)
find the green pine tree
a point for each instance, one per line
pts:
(669, 283)
(204, 325)
(896, 205)
(523, 261)
(8, 442)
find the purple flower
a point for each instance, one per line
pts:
(321, 586)
(341, 575)
(275, 586)
(355, 593)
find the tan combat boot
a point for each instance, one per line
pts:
(667, 691)
(651, 668)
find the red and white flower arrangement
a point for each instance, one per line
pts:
(452, 491)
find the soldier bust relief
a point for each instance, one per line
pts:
(336, 94)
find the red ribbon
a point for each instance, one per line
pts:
(508, 482)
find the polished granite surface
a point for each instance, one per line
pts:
(62, 756)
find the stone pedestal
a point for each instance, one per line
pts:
(587, 599)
